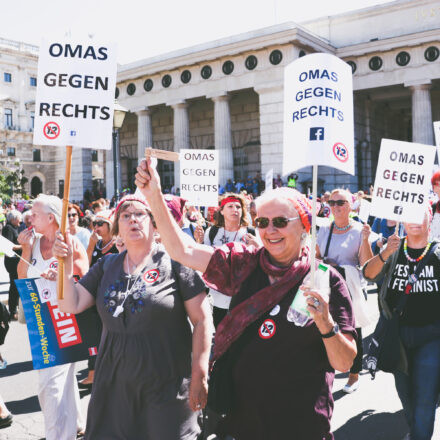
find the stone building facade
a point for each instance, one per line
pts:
(228, 94)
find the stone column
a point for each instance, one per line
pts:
(181, 134)
(145, 131)
(109, 173)
(81, 177)
(271, 100)
(422, 129)
(223, 137)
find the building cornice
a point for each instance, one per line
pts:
(389, 44)
(262, 38)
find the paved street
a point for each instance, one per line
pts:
(371, 413)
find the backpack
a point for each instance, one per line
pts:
(214, 229)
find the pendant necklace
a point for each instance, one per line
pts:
(224, 240)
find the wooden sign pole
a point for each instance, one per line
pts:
(63, 226)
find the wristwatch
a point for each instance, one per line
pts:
(334, 331)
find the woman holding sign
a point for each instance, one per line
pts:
(281, 374)
(345, 244)
(57, 388)
(145, 386)
(418, 375)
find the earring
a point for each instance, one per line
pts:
(303, 236)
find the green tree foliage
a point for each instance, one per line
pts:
(12, 183)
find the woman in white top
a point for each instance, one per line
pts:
(57, 388)
(231, 225)
(82, 234)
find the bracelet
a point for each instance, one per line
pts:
(381, 258)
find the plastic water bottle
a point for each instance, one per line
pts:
(298, 313)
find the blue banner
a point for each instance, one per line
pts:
(55, 337)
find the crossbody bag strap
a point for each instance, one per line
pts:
(412, 280)
(328, 240)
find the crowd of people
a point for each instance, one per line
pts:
(194, 311)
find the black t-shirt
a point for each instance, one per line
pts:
(97, 252)
(11, 233)
(423, 304)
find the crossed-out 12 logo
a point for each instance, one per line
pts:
(340, 151)
(316, 134)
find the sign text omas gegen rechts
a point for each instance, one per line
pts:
(75, 94)
(318, 114)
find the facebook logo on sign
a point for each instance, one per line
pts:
(316, 133)
(398, 210)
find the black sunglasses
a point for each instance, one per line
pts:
(74, 214)
(337, 202)
(278, 222)
(99, 223)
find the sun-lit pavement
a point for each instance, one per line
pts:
(371, 413)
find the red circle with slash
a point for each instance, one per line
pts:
(151, 276)
(51, 130)
(267, 329)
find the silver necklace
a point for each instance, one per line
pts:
(100, 248)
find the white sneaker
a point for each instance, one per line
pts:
(351, 388)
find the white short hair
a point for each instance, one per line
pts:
(13, 214)
(52, 205)
(281, 193)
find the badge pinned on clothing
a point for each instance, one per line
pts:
(275, 310)
(267, 329)
(151, 276)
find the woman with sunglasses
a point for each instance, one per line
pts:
(151, 370)
(281, 374)
(417, 377)
(231, 225)
(346, 243)
(82, 234)
(102, 241)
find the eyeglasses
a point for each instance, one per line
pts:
(278, 222)
(138, 216)
(337, 202)
(99, 223)
(74, 214)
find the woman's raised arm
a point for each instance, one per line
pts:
(179, 245)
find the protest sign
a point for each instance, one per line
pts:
(403, 181)
(55, 337)
(318, 113)
(75, 94)
(199, 177)
(364, 210)
(269, 179)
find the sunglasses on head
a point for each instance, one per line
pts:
(278, 222)
(99, 223)
(337, 202)
(74, 214)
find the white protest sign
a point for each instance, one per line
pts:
(75, 94)
(199, 177)
(318, 113)
(47, 290)
(269, 180)
(7, 247)
(364, 211)
(437, 133)
(403, 181)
